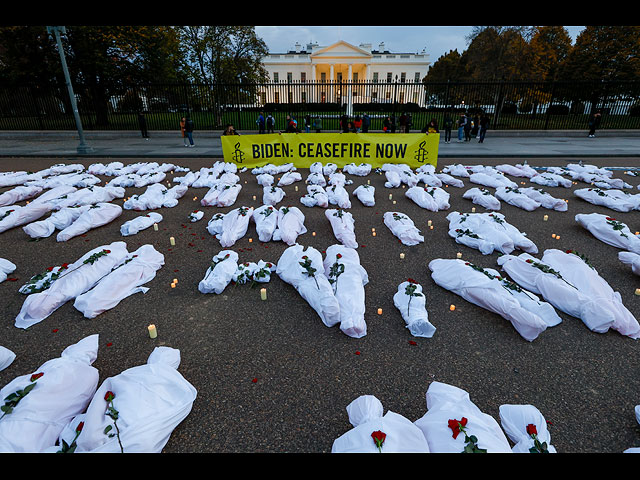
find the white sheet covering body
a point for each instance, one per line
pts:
(516, 418)
(483, 197)
(15, 215)
(614, 199)
(151, 400)
(77, 279)
(135, 225)
(63, 391)
(220, 273)
(403, 228)
(517, 198)
(266, 220)
(560, 293)
(610, 231)
(447, 402)
(56, 221)
(6, 268)
(366, 415)
(312, 283)
(487, 289)
(290, 225)
(235, 225)
(137, 269)
(95, 216)
(348, 278)
(545, 199)
(6, 357)
(430, 198)
(316, 196)
(18, 194)
(631, 259)
(366, 195)
(343, 226)
(411, 301)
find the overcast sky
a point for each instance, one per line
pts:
(437, 40)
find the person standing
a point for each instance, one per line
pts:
(484, 125)
(594, 123)
(183, 123)
(307, 123)
(261, 123)
(394, 123)
(188, 130)
(366, 122)
(461, 123)
(467, 128)
(317, 124)
(402, 121)
(409, 123)
(475, 126)
(344, 124)
(142, 122)
(447, 125)
(386, 125)
(357, 124)
(270, 123)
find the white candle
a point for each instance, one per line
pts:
(263, 293)
(637, 291)
(155, 227)
(368, 182)
(557, 237)
(172, 240)
(254, 197)
(473, 209)
(459, 255)
(296, 188)
(402, 256)
(153, 333)
(394, 202)
(452, 308)
(553, 235)
(313, 234)
(430, 227)
(379, 311)
(373, 233)
(251, 240)
(390, 196)
(545, 218)
(175, 280)
(429, 223)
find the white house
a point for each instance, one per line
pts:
(358, 68)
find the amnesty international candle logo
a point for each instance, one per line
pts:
(375, 149)
(238, 155)
(421, 153)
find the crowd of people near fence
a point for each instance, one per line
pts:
(469, 126)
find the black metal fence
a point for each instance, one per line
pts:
(510, 105)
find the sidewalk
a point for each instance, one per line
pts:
(163, 144)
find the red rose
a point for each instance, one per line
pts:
(531, 429)
(609, 218)
(65, 265)
(569, 251)
(80, 427)
(411, 280)
(529, 260)
(107, 251)
(455, 425)
(304, 256)
(109, 396)
(379, 438)
(36, 376)
(338, 256)
(49, 269)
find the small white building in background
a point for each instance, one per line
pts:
(340, 62)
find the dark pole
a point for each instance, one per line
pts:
(82, 146)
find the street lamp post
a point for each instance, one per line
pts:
(83, 148)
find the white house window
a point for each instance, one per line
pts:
(417, 79)
(389, 77)
(403, 77)
(289, 77)
(375, 76)
(323, 77)
(355, 76)
(303, 77)
(276, 78)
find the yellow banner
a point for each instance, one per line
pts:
(303, 149)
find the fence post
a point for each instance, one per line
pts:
(546, 119)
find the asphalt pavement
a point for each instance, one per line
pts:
(270, 376)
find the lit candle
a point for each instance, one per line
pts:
(195, 198)
(402, 256)
(637, 233)
(430, 227)
(173, 285)
(254, 197)
(459, 255)
(296, 188)
(390, 196)
(637, 291)
(553, 235)
(373, 229)
(172, 240)
(155, 227)
(153, 333)
(394, 202)
(545, 218)
(379, 311)
(557, 237)
(429, 223)
(373, 233)
(175, 280)
(368, 182)
(452, 307)
(473, 209)
(313, 234)
(263, 293)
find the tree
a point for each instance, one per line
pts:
(550, 46)
(447, 68)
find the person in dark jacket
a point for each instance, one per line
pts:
(594, 122)
(484, 125)
(447, 124)
(189, 127)
(386, 125)
(467, 128)
(142, 122)
(366, 122)
(271, 122)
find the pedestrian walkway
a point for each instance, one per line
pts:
(499, 144)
